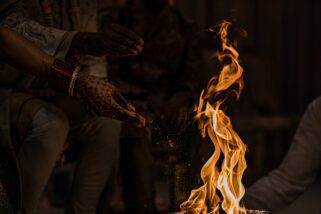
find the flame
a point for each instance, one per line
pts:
(213, 122)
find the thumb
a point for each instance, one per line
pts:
(123, 114)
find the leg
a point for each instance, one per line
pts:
(39, 152)
(99, 138)
(137, 174)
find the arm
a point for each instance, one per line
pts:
(298, 170)
(117, 41)
(53, 41)
(97, 94)
(22, 54)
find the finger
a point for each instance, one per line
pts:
(110, 48)
(121, 39)
(117, 49)
(130, 117)
(109, 85)
(123, 102)
(123, 114)
(128, 33)
(108, 51)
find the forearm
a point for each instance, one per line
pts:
(275, 191)
(297, 171)
(22, 54)
(53, 41)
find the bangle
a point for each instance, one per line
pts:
(59, 75)
(73, 81)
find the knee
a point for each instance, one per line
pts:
(53, 119)
(51, 124)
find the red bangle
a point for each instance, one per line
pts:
(60, 75)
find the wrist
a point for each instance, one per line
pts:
(76, 41)
(62, 76)
(82, 42)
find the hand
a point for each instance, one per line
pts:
(176, 111)
(104, 99)
(116, 41)
(97, 94)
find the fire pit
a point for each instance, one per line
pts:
(257, 212)
(247, 212)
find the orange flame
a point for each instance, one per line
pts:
(213, 122)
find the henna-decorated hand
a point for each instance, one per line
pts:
(116, 41)
(97, 94)
(104, 99)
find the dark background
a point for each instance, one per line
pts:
(282, 48)
(281, 57)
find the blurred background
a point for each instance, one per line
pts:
(281, 57)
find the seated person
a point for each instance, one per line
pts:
(159, 81)
(298, 170)
(35, 130)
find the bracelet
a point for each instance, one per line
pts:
(73, 81)
(59, 75)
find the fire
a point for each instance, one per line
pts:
(213, 122)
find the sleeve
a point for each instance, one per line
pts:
(53, 41)
(298, 170)
(95, 66)
(4, 4)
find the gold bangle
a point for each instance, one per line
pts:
(73, 81)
